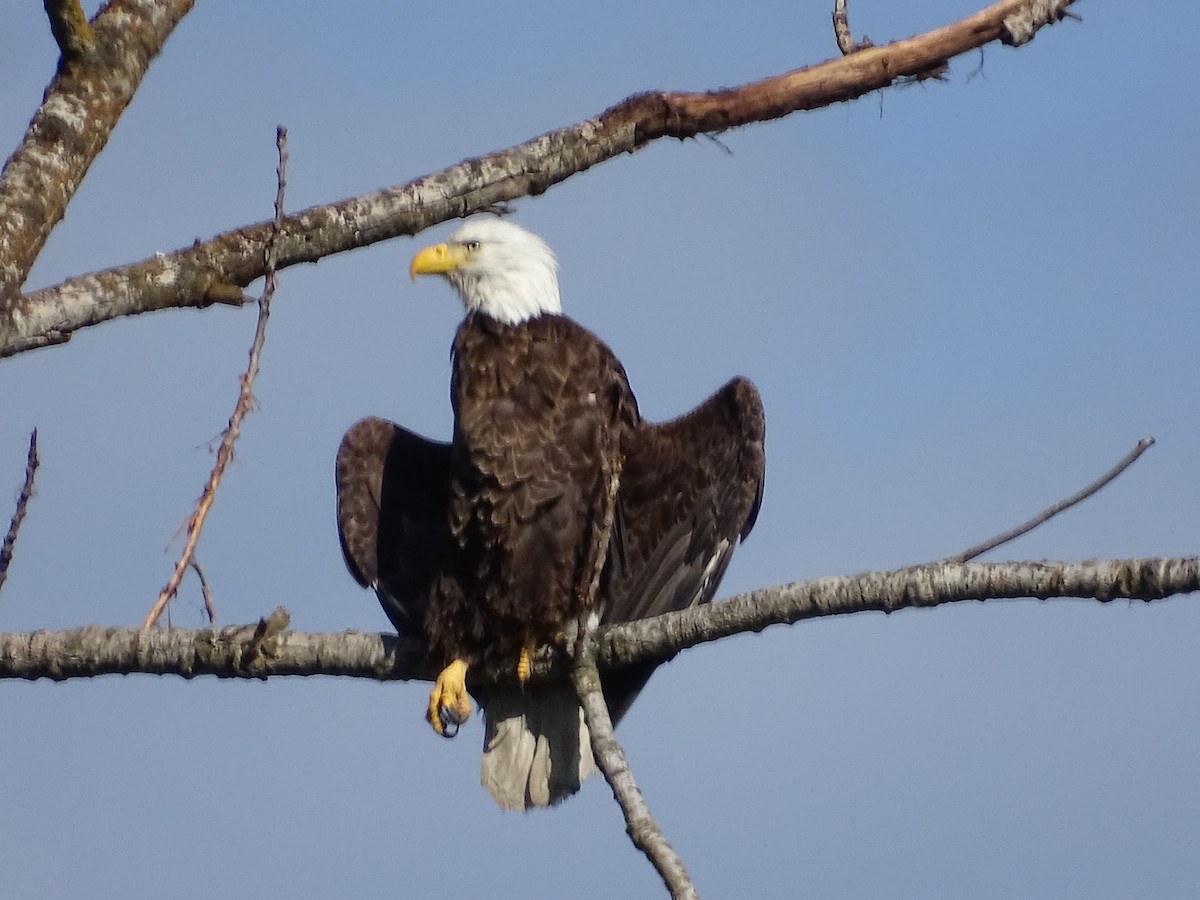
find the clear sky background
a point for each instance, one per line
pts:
(961, 302)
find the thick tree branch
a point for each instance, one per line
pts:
(640, 825)
(93, 86)
(913, 587)
(215, 270)
(95, 650)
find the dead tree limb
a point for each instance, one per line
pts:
(93, 87)
(95, 650)
(216, 270)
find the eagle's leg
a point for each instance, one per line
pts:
(449, 703)
(525, 663)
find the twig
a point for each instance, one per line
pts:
(244, 402)
(31, 466)
(1045, 515)
(209, 608)
(842, 33)
(640, 825)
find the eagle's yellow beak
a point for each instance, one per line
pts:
(437, 260)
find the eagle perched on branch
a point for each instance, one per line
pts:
(553, 507)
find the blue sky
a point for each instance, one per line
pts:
(960, 301)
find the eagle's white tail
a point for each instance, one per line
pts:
(536, 750)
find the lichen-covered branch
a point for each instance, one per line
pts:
(239, 651)
(95, 650)
(215, 271)
(913, 587)
(643, 830)
(101, 69)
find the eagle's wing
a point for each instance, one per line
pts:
(391, 513)
(690, 489)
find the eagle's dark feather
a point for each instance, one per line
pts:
(690, 490)
(497, 531)
(392, 491)
(542, 412)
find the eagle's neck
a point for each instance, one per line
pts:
(511, 297)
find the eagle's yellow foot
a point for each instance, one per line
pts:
(449, 703)
(525, 663)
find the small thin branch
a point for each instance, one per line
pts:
(214, 270)
(71, 30)
(31, 466)
(639, 823)
(1047, 514)
(842, 33)
(209, 609)
(245, 400)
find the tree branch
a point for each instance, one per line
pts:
(641, 827)
(81, 107)
(14, 527)
(215, 270)
(95, 650)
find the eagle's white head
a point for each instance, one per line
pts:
(498, 269)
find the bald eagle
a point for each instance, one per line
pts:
(553, 507)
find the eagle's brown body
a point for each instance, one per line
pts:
(543, 418)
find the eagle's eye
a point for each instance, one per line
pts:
(471, 246)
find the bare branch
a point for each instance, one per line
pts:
(218, 652)
(82, 105)
(639, 823)
(10, 539)
(215, 270)
(71, 31)
(210, 609)
(245, 400)
(1047, 514)
(91, 651)
(842, 33)
(913, 587)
